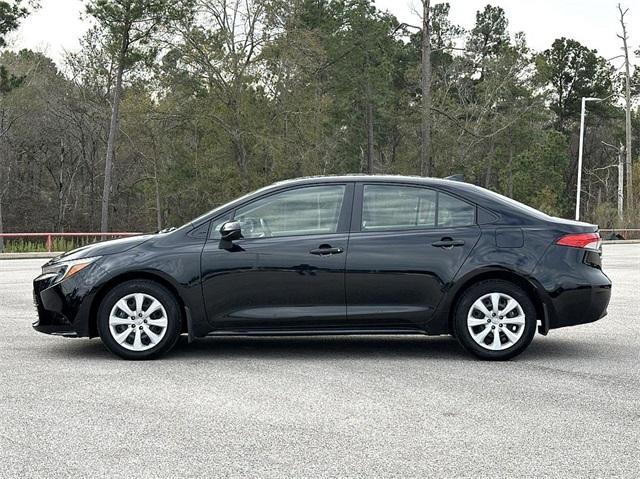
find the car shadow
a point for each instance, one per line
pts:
(321, 347)
(334, 347)
(559, 348)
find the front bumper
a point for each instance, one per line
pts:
(63, 308)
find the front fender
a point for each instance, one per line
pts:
(178, 271)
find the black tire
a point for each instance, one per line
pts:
(462, 310)
(158, 292)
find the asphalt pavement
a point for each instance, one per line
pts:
(361, 407)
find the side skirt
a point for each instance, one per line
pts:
(317, 332)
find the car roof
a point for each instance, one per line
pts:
(504, 206)
(361, 177)
(472, 192)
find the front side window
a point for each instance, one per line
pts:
(391, 207)
(303, 211)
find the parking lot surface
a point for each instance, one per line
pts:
(385, 406)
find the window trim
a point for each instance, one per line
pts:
(344, 219)
(358, 203)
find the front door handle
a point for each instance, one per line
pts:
(326, 250)
(447, 243)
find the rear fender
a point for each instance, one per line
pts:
(442, 322)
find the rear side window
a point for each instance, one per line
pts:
(398, 207)
(391, 207)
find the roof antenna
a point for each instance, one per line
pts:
(456, 177)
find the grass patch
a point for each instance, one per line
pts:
(20, 245)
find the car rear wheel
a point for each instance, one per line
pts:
(139, 319)
(495, 319)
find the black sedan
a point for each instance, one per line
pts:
(335, 255)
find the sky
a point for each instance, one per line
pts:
(57, 26)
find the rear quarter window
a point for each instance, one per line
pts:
(455, 212)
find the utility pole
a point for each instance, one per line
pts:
(425, 148)
(620, 181)
(627, 96)
(580, 148)
(579, 185)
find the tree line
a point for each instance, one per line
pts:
(170, 108)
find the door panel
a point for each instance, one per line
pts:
(403, 253)
(396, 279)
(275, 283)
(276, 279)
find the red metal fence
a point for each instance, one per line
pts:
(49, 237)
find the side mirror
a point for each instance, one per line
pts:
(230, 231)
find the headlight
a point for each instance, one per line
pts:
(66, 269)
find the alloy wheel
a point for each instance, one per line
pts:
(496, 321)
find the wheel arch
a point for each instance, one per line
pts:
(131, 276)
(528, 285)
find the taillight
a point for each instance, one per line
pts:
(581, 240)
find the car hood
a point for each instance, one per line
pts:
(103, 248)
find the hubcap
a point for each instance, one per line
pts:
(138, 321)
(496, 321)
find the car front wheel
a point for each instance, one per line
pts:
(495, 319)
(139, 319)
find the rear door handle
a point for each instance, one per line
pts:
(447, 243)
(325, 250)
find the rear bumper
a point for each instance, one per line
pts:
(576, 289)
(584, 304)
